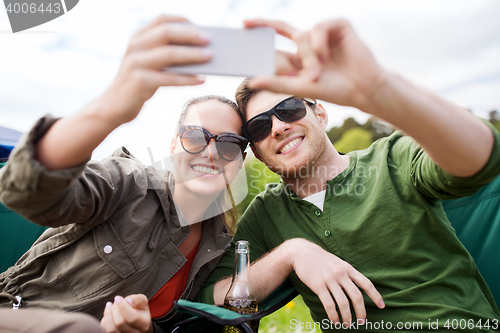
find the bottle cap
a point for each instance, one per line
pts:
(242, 247)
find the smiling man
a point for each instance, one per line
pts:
(371, 220)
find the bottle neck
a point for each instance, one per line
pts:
(241, 286)
(242, 267)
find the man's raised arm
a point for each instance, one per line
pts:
(334, 65)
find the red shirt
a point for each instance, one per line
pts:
(171, 291)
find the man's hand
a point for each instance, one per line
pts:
(331, 64)
(332, 279)
(128, 315)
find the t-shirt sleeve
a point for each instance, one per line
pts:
(432, 181)
(247, 229)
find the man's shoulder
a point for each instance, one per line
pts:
(398, 141)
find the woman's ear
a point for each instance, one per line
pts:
(172, 146)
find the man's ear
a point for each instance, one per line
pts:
(322, 116)
(255, 152)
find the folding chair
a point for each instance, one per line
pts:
(211, 318)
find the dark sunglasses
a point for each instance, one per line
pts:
(194, 139)
(288, 110)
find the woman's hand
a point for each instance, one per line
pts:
(128, 315)
(160, 44)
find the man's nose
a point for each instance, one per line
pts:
(279, 127)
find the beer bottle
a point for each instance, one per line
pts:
(241, 298)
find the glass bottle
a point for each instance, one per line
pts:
(241, 298)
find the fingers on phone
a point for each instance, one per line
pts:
(308, 56)
(320, 41)
(282, 84)
(178, 34)
(161, 19)
(286, 64)
(166, 56)
(281, 27)
(161, 78)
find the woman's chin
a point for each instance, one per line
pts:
(206, 186)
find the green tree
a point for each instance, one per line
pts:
(335, 133)
(495, 119)
(494, 116)
(377, 128)
(258, 175)
(354, 139)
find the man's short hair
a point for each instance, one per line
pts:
(242, 96)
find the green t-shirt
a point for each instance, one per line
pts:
(383, 216)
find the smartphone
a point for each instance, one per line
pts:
(236, 52)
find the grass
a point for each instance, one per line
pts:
(282, 320)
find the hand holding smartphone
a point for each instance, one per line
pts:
(235, 52)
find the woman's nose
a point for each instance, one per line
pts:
(211, 150)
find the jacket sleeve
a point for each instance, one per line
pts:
(435, 183)
(87, 193)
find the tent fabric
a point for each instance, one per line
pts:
(476, 220)
(16, 236)
(8, 139)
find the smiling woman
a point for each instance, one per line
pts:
(207, 153)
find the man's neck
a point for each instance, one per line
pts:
(327, 167)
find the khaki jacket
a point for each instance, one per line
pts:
(114, 231)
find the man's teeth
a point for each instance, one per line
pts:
(208, 171)
(290, 145)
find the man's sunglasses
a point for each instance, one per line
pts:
(288, 110)
(194, 139)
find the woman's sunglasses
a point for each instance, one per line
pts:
(194, 139)
(288, 110)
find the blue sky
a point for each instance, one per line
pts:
(450, 47)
